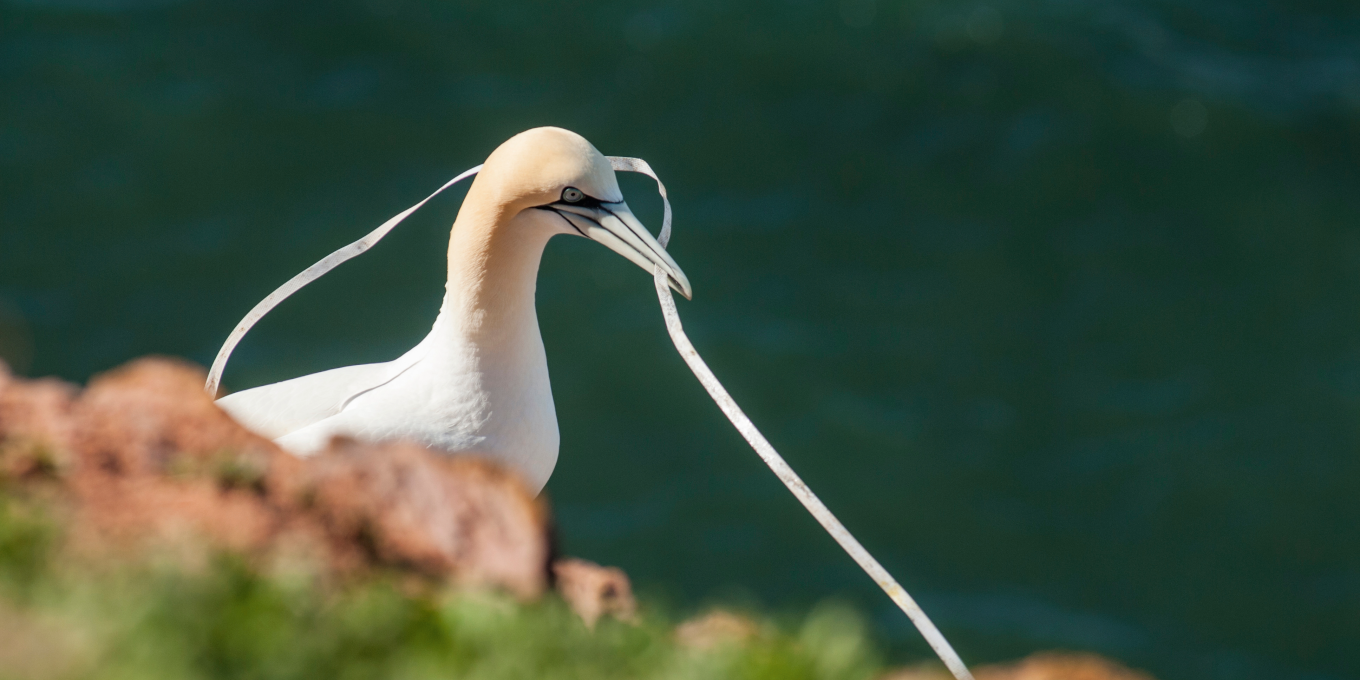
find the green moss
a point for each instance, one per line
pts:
(26, 539)
(229, 620)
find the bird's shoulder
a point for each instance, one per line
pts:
(280, 408)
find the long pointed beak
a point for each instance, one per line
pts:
(614, 225)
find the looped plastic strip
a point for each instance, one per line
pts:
(309, 275)
(696, 364)
(640, 166)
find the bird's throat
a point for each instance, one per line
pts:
(493, 274)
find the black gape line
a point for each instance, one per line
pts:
(583, 200)
(554, 211)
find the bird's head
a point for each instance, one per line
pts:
(571, 188)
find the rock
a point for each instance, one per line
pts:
(1041, 666)
(144, 460)
(1061, 666)
(154, 458)
(35, 425)
(717, 627)
(593, 590)
(460, 517)
(920, 672)
(143, 417)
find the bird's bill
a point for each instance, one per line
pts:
(614, 225)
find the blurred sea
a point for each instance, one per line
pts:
(1056, 304)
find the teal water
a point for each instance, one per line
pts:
(1055, 303)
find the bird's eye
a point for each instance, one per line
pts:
(572, 194)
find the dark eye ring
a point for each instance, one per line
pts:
(572, 194)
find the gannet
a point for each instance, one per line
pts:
(478, 383)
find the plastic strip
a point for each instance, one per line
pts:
(307, 276)
(776, 463)
(638, 165)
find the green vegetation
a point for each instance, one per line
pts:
(221, 618)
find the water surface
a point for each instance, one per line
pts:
(1055, 304)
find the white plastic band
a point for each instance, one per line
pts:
(776, 463)
(638, 165)
(307, 276)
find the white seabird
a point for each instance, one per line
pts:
(478, 383)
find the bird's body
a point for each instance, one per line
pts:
(478, 383)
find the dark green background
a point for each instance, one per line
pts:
(1054, 303)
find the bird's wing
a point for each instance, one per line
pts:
(285, 407)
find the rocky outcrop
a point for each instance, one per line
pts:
(142, 459)
(594, 591)
(715, 629)
(1041, 666)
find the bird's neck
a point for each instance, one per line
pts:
(493, 273)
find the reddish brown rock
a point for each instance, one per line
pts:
(1061, 666)
(156, 462)
(458, 516)
(593, 590)
(143, 458)
(35, 425)
(920, 672)
(716, 628)
(1041, 666)
(151, 413)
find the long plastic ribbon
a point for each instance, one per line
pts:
(696, 364)
(776, 463)
(309, 275)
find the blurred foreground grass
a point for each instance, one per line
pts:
(222, 618)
